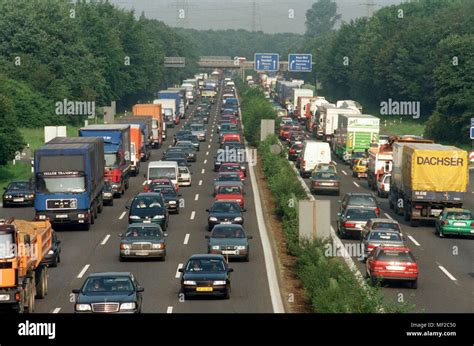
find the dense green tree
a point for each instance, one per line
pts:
(321, 18)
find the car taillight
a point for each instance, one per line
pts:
(472, 224)
(349, 224)
(304, 163)
(418, 207)
(370, 247)
(383, 186)
(379, 266)
(292, 151)
(377, 211)
(412, 267)
(146, 188)
(445, 222)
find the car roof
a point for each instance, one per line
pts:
(226, 202)
(386, 220)
(144, 194)
(210, 256)
(129, 274)
(234, 225)
(144, 225)
(359, 194)
(456, 209)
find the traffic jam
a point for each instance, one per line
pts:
(78, 178)
(385, 190)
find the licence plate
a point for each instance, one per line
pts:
(327, 184)
(61, 216)
(142, 253)
(204, 289)
(18, 199)
(146, 221)
(395, 267)
(226, 222)
(230, 252)
(362, 174)
(462, 224)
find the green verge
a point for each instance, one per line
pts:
(328, 283)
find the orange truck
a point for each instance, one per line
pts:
(135, 148)
(24, 246)
(157, 127)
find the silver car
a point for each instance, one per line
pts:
(377, 237)
(143, 240)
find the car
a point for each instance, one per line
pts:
(232, 152)
(172, 153)
(384, 139)
(359, 168)
(294, 151)
(232, 179)
(392, 263)
(224, 212)
(198, 130)
(380, 237)
(296, 136)
(191, 138)
(182, 162)
(232, 167)
(360, 199)
(383, 185)
(325, 167)
(229, 137)
(325, 182)
(53, 257)
(355, 156)
(230, 241)
(230, 192)
(171, 197)
(184, 178)
(207, 275)
(143, 240)
(19, 192)
(284, 120)
(352, 220)
(109, 292)
(148, 207)
(455, 221)
(181, 134)
(385, 224)
(190, 152)
(159, 182)
(107, 193)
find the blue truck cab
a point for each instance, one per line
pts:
(175, 95)
(69, 175)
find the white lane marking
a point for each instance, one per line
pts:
(83, 271)
(169, 146)
(55, 311)
(193, 214)
(335, 163)
(388, 216)
(207, 153)
(343, 172)
(356, 184)
(203, 170)
(196, 197)
(144, 183)
(105, 239)
(210, 140)
(186, 239)
(205, 161)
(178, 274)
(169, 310)
(448, 274)
(122, 215)
(209, 146)
(200, 182)
(413, 240)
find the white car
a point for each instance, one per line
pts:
(184, 176)
(383, 185)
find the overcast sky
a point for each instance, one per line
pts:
(266, 15)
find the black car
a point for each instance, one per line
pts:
(19, 192)
(181, 134)
(148, 207)
(295, 151)
(225, 212)
(360, 199)
(173, 153)
(170, 196)
(206, 275)
(143, 240)
(189, 154)
(107, 194)
(111, 292)
(54, 255)
(193, 139)
(182, 162)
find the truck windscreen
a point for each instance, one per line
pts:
(6, 245)
(60, 184)
(162, 172)
(112, 160)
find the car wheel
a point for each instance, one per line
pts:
(414, 284)
(440, 232)
(247, 258)
(55, 262)
(111, 203)
(227, 294)
(121, 259)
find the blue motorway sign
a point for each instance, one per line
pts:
(472, 132)
(472, 122)
(300, 62)
(266, 62)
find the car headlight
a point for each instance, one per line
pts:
(30, 196)
(50, 252)
(83, 307)
(125, 246)
(157, 246)
(192, 283)
(42, 217)
(81, 216)
(213, 218)
(241, 247)
(172, 202)
(8, 196)
(215, 247)
(238, 219)
(158, 217)
(134, 217)
(219, 282)
(4, 297)
(127, 306)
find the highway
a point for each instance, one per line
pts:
(446, 280)
(97, 250)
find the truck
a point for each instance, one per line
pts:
(426, 178)
(295, 95)
(210, 93)
(330, 121)
(23, 272)
(157, 124)
(355, 133)
(302, 109)
(179, 104)
(69, 175)
(168, 109)
(116, 153)
(145, 124)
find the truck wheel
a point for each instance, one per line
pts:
(42, 286)
(91, 216)
(126, 184)
(96, 210)
(406, 215)
(414, 223)
(30, 290)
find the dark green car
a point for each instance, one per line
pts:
(230, 241)
(455, 221)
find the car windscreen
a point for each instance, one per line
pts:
(146, 202)
(325, 176)
(386, 225)
(222, 232)
(108, 284)
(229, 190)
(360, 214)
(459, 215)
(395, 256)
(230, 168)
(143, 232)
(363, 200)
(19, 185)
(228, 177)
(385, 236)
(226, 208)
(205, 265)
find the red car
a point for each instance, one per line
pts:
(232, 167)
(160, 182)
(230, 119)
(284, 130)
(230, 137)
(392, 263)
(230, 193)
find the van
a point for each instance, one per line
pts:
(163, 169)
(313, 153)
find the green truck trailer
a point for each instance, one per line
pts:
(355, 132)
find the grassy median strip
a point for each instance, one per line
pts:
(327, 281)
